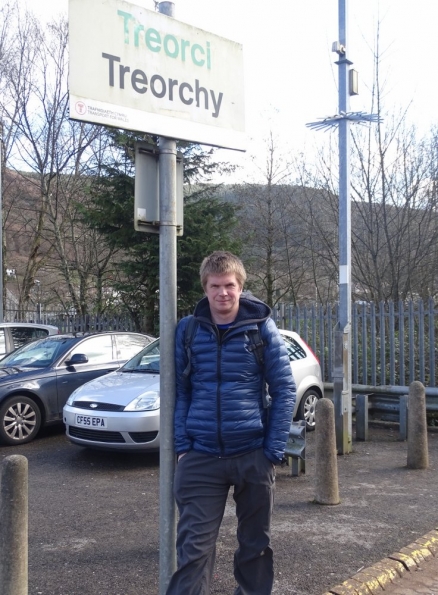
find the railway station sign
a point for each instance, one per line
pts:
(141, 70)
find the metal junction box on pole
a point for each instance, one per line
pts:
(147, 198)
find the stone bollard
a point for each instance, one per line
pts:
(326, 468)
(418, 456)
(14, 526)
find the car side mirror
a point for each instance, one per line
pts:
(77, 358)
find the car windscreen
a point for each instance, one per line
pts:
(148, 360)
(38, 354)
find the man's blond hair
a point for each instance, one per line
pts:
(222, 263)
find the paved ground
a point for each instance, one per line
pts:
(93, 521)
(423, 580)
(412, 568)
(384, 507)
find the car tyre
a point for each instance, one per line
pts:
(307, 408)
(20, 420)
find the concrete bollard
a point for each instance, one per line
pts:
(14, 526)
(418, 456)
(326, 468)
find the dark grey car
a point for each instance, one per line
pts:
(37, 379)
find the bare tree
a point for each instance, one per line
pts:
(272, 248)
(394, 208)
(394, 230)
(52, 154)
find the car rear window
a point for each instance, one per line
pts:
(22, 335)
(294, 349)
(128, 345)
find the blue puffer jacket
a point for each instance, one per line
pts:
(220, 411)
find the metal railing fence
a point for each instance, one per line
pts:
(393, 344)
(73, 323)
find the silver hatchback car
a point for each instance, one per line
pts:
(121, 410)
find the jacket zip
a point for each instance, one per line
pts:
(218, 397)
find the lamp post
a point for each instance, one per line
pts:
(342, 345)
(38, 305)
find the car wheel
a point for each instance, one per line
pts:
(20, 420)
(307, 408)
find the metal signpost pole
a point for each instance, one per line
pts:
(200, 76)
(1, 226)
(342, 372)
(167, 193)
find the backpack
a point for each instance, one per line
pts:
(257, 347)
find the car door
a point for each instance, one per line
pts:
(101, 353)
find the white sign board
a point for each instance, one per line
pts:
(141, 70)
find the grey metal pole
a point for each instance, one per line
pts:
(14, 526)
(167, 174)
(342, 372)
(1, 225)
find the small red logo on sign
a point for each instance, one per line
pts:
(81, 108)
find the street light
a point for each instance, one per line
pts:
(38, 286)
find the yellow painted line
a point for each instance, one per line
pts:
(405, 559)
(375, 578)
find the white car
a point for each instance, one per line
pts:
(121, 410)
(16, 334)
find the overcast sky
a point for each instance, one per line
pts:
(290, 71)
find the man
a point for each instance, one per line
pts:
(223, 434)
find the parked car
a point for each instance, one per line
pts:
(121, 411)
(307, 375)
(37, 379)
(16, 334)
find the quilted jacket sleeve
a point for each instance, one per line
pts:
(278, 375)
(183, 391)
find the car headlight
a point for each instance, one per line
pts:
(148, 401)
(71, 398)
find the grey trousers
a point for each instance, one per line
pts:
(201, 489)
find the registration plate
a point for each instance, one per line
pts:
(90, 421)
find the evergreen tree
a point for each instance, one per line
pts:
(208, 226)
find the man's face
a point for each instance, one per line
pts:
(223, 294)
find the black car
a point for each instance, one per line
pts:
(37, 379)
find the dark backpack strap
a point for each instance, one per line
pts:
(258, 348)
(188, 338)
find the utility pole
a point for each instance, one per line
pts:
(342, 368)
(167, 191)
(342, 371)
